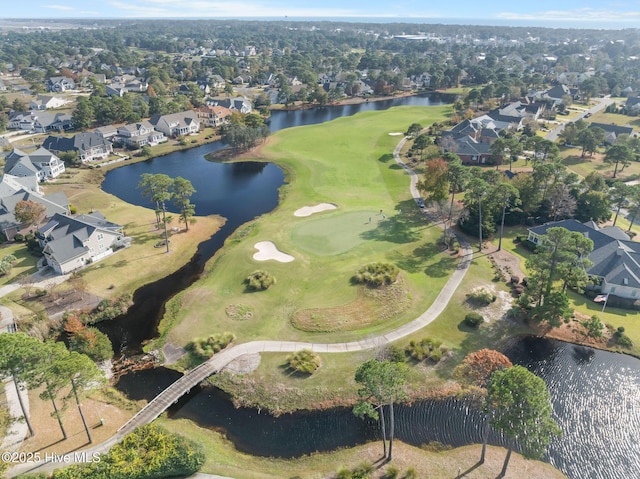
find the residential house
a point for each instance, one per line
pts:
(615, 258)
(139, 134)
(47, 102)
(108, 132)
(237, 103)
(558, 92)
(611, 131)
(3, 87)
(471, 151)
(177, 124)
(216, 82)
(72, 243)
(632, 105)
(42, 164)
(213, 116)
(89, 145)
(40, 121)
(204, 87)
(60, 84)
(14, 189)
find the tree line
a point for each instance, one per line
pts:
(516, 403)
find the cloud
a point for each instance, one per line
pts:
(581, 14)
(65, 8)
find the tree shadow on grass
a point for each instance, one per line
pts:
(292, 373)
(400, 226)
(386, 158)
(421, 259)
(497, 334)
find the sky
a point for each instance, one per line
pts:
(625, 13)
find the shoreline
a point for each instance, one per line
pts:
(347, 101)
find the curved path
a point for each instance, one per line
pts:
(169, 396)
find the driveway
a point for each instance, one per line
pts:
(602, 104)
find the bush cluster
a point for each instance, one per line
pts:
(260, 280)
(426, 348)
(473, 319)
(204, 348)
(377, 274)
(304, 361)
(7, 263)
(481, 296)
(148, 452)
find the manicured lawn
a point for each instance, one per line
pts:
(583, 166)
(336, 233)
(26, 263)
(356, 171)
(615, 118)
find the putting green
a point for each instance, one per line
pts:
(335, 234)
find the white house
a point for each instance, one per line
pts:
(140, 134)
(177, 124)
(42, 164)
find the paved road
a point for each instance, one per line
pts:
(194, 377)
(603, 103)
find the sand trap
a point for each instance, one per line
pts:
(396, 133)
(309, 210)
(267, 250)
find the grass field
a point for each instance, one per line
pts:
(571, 157)
(337, 233)
(355, 171)
(616, 119)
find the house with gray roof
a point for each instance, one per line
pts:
(611, 131)
(14, 189)
(89, 145)
(177, 124)
(60, 84)
(615, 258)
(71, 243)
(42, 164)
(139, 134)
(237, 103)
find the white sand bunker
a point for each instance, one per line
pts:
(267, 250)
(396, 133)
(309, 210)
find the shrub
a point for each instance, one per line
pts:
(394, 354)
(377, 274)
(392, 472)
(481, 296)
(260, 280)
(410, 474)
(72, 209)
(204, 348)
(624, 341)
(426, 348)
(304, 361)
(18, 237)
(473, 319)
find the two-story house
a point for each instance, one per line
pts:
(60, 84)
(213, 116)
(42, 164)
(139, 134)
(177, 124)
(89, 145)
(71, 243)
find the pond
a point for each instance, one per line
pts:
(595, 396)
